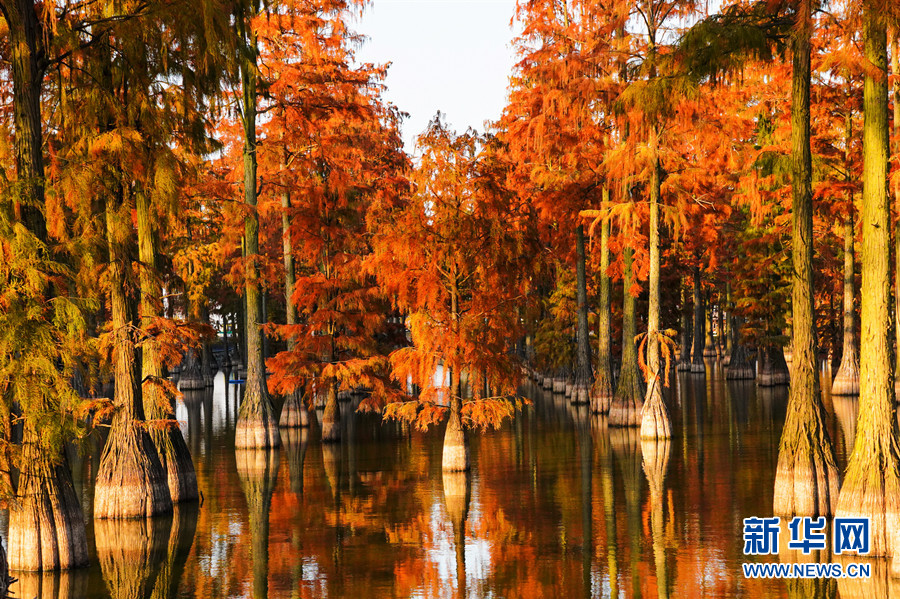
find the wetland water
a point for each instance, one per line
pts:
(556, 505)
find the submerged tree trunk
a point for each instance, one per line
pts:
(625, 409)
(773, 368)
(872, 481)
(256, 426)
(131, 481)
(739, 366)
(655, 422)
(456, 444)
(46, 522)
(331, 418)
(697, 365)
(602, 389)
(806, 481)
(847, 380)
(159, 404)
(583, 375)
(709, 346)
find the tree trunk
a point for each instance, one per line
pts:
(872, 482)
(602, 389)
(583, 375)
(895, 68)
(739, 366)
(294, 412)
(331, 418)
(456, 446)
(655, 422)
(697, 365)
(773, 368)
(46, 523)
(729, 323)
(625, 409)
(709, 346)
(684, 359)
(159, 403)
(806, 481)
(847, 380)
(256, 426)
(131, 481)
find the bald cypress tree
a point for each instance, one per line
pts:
(806, 482)
(872, 482)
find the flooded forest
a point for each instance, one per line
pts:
(636, 335)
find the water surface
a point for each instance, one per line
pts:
(557, 504)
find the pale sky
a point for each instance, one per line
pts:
(449, 55)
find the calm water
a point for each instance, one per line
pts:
(556, 505)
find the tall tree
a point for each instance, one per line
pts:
(257, 426)
(872, 481)
(806, 482)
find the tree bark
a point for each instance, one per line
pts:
(294, 412)
(46, 526)
(806, 480)
(697, 365)
(872, 482)
(159, 403)
(257, 426)
(583, 375)
(455, 457)
(847, 380)
(895, 68)
(625, 409)
(131, 481)
(602, 389)
(684, 358)
(655, 422)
